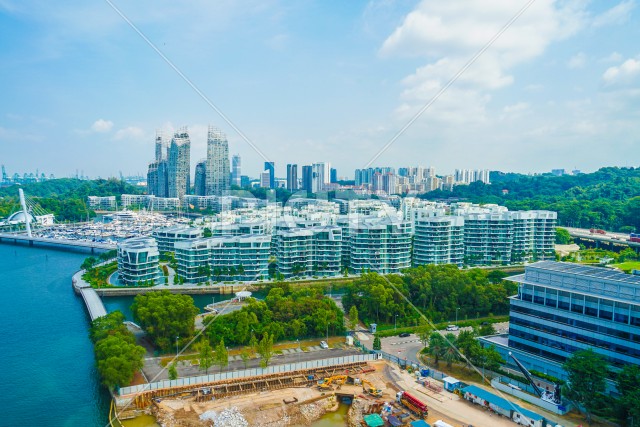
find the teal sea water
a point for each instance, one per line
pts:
(47, 368)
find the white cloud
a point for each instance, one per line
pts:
(130, 132)
(102, 126)
(578, 60)
(278, 42)
(448, 34)
(613, 57)
(623, 73)
(617, 15)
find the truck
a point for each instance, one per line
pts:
(412, 403)
(634, 237)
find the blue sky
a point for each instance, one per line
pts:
(329, 81)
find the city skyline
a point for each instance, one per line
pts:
(333, 80)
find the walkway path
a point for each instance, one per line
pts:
(91, 299)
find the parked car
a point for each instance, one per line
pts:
(452, 328)
(404, 335)
(323, 344)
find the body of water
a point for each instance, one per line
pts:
(48, 372)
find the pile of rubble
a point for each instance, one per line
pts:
(229, 417)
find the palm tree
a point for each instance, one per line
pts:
(437, 346)
(450, 353)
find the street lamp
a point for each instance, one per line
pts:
(395, 324)
(299, 350)
(177, 348)
(457, 315)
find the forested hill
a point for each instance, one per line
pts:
(72, 188)
(608, 198)
(66, 198)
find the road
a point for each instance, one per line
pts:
(154, 371)
(408, 347)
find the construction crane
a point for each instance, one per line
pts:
(325, 384)
(549, 396)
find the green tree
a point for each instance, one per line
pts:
(88, 263)
(107, 325)
(117, 359)
(353, 318)
(437, 346)
(487, 329)
(253, 343)
(377, 345)
(245, 356)
(165, 316)
(265, 349)
(627, 382)
(222, 356)
(563, 237)
(206, 355)
(207, 232)
(586, 372)
(172, 371)
(450, 353)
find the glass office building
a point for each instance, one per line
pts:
(562, 307)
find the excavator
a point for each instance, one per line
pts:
(371, 389)
(326, 383)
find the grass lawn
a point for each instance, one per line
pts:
(628, 266)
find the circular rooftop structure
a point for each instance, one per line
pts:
(243, 295)
(19, 217)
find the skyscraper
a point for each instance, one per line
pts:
(236, 171)
(271, 167)
(217, 179)
(160, 147)
(201, 177)
(178, 173)
(307, 178)
(292, 177)
(321, 176)
(152, 178)
(163, 179)
(334, 176)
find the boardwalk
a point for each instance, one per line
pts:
(91, 299)
(56, 242)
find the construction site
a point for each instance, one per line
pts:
(378, 393)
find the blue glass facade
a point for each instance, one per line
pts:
(561, 308)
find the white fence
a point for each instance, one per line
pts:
(203, 379)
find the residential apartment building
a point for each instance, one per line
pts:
(561, 308)
(381, 244)
(138, 261)
(179, 165)
(308, 251)
(218, 171)
(107, 203)
(168, 236)
(236, 170)
(243, 258)
(437, 239)
(200, 181)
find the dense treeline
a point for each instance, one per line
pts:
(436, 290)
(66, 198)
(606, 199)
(285, 313)
(587, 372)
(117, 355)
(165, 317)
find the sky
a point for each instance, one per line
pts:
(509, 85)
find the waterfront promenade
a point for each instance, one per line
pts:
(91, 299)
